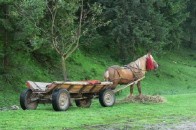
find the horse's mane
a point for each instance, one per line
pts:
(137, 62)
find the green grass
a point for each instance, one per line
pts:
(174, 80)
(85, 67)
(177, 108)
(14, 81)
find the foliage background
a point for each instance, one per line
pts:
(113, 32)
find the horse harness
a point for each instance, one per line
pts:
(137, 74)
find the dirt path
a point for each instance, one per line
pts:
(186, 125)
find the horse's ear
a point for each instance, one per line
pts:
(149, 53)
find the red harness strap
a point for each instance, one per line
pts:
(149, 63)
(93, 82)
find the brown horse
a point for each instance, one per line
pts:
(131, 72)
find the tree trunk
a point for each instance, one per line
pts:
(191, 40)
(64, 68)
(5, 51)
(5, 44)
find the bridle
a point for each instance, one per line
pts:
(138, 64)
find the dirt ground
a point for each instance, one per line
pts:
(187, 125)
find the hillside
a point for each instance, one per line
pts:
(174, 80)
(48, 41)
(176, 74)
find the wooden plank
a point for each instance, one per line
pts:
(64, 86)
(87, 89)
(81, 83)
(41, 86)
(98, 88)
(70, 87)
(76, 88)
(77, 83)
(103, 88)
(92, 88)
(106, 83)
(84, 86)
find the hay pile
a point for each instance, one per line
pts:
(144, 99)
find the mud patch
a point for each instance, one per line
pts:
(13, 107)
(112, 127)
(186, 125)
(143, 99)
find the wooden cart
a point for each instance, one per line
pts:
(60, 93)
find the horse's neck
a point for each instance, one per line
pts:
(139, 63)
(143, 63)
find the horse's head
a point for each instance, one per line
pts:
(151, 64)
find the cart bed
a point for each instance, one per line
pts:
(59, 93)
(92, 86)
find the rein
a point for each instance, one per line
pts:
(138, 66)
(129, 67)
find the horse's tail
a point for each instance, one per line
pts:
(106, 75)
(110, 73)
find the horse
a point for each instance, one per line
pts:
(131, 72)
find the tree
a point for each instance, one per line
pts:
(190, 25)
(69, 21)
(5, 30)
(27, 16)
(139, 25)
(65, 34)
(175, 14)
(55, 24)
(135, 26)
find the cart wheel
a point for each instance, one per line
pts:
(83, 103)
(60, 100)
(26, 100)
(107, 98)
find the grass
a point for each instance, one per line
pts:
(14, 81)
(174, 80)
(176, 109)
(85, 67)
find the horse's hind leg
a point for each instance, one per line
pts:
(131, 90)
(139, 88)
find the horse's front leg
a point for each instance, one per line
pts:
(131, 90)
(139, 88)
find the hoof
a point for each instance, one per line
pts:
(140, 96)
(130, 96)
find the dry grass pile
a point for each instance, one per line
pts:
(143, 99)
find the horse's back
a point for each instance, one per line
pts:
(119, 75)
